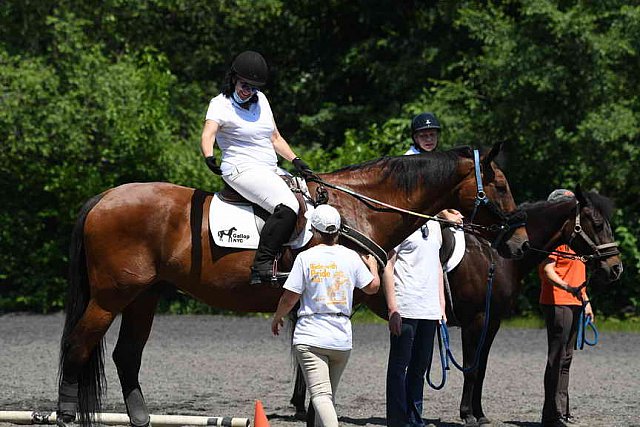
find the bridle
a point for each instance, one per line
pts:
(508, 224)
(598, 252)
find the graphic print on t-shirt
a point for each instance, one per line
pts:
(334, 280)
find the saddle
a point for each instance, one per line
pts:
(451, 253)
(453, 247)
(235, 222)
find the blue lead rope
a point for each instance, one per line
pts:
(443, 344)
(583, 323)
(445, 348)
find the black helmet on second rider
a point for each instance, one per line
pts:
(421, 122)
(251, 67)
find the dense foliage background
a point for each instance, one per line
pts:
(96, 94)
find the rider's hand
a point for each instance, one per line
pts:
(303, 169)
(211, 163)
(395, 323)
(452, 215)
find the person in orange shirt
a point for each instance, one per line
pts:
(561, 300)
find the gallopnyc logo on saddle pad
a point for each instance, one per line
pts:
(235, 225)
(232, 236)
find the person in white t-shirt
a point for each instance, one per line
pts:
(240, 120)
(322, 279)
(413, 287)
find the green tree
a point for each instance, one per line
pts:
(72, 128)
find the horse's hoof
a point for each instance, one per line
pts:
(300, 415)
(64, 420)
(137, 409)
(470, 421)
(484, 421)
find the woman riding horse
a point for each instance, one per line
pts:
(134, 240)
(241, 121)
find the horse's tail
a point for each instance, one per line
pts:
(91, 378)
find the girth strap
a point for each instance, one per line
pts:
(364, 243)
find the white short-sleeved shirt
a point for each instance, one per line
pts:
(244, 136)
(325, 277)
(417, 273)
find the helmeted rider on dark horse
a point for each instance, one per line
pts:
(241, 121)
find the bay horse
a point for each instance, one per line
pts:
(132, 240)
(549, 224)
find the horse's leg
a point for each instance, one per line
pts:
(299, 395)
(471, 403)
(137, 319)
(469, 342)
(494, 325)
(82, 366)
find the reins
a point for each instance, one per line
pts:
(481, 200)
(362, 197)
(443, 337)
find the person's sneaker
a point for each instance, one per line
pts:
(571, 420)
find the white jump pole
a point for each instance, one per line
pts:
(110, 418)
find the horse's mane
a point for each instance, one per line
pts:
(410, 171)
(604, 204)
(601, 203)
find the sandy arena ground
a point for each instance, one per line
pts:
(218, 366)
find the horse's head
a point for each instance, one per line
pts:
(491, 204)
(590, 235)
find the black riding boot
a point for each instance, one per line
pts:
(276, 231)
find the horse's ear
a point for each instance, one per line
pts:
(582, 199)
(495, 150)
(489, 174)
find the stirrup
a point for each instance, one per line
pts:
(267, 277)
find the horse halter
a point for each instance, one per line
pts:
(598, 252)
(508, 223)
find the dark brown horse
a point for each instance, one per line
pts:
(549, 224)
(131, 240)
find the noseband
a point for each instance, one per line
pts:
(598, 252)
(508, 223)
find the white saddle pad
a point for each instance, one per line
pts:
(235, 225)
(458, 251)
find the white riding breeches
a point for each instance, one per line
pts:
(263, 186)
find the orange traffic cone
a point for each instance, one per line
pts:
(259, 417)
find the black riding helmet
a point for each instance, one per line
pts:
(423, 121)
(251, 67)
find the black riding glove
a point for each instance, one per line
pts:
(211, 163)
(303, 169)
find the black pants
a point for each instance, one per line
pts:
(562, 327)
(409, 357)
